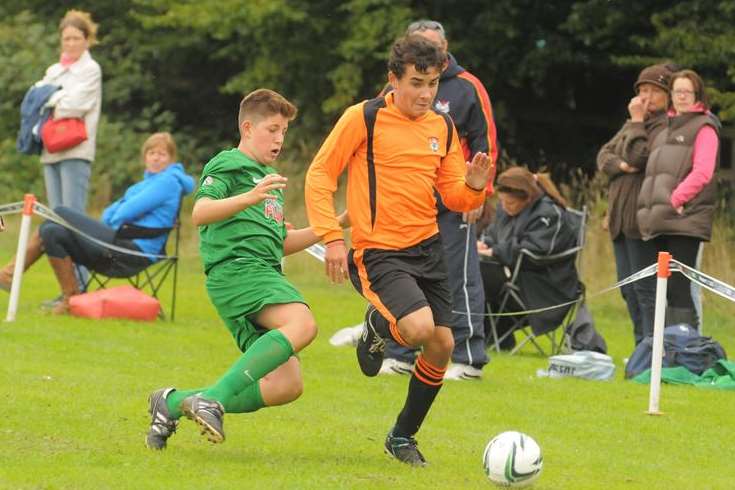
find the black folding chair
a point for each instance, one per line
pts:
(152, 278)
(514, 299)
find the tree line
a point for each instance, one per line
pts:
(559, 73)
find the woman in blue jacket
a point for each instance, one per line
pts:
(139, 221)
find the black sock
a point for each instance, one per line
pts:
(425, 383)
(380, 324)
(383, 328)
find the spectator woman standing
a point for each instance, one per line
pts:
(623, 159)
(677, 200)
(66, 173)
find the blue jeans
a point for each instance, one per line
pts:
(67, 183)
(632, 255)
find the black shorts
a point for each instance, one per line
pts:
(399, 282)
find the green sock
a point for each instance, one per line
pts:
(174, 399)
(266, 354)
(248, 400)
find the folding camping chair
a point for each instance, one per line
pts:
(152, 278)
(512, 296)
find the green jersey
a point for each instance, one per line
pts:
(255, 233)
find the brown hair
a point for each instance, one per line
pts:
(262, 103)
(160, 139)
(520, 182)
(82, 21)
(699, 94)
(416, 50)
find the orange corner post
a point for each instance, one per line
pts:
(28, 201)
(664, 258)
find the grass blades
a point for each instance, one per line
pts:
(74, 394)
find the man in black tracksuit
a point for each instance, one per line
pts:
(464, 98)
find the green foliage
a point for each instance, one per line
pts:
(553, 69)
(699, 34)
(25, 47)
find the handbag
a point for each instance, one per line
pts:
(61, 134)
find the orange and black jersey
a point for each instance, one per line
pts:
(392, 175)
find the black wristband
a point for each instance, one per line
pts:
(476, 190)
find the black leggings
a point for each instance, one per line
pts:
(685, 250)
(61, 242)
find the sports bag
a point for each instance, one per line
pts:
(582, 364)
(62, 134)
(683, 346)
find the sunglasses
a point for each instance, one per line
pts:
(424, 25)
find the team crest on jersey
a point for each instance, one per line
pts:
(442, 106)
(274, 210)
(434, 144)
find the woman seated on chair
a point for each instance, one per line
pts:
(150, 207)
(532, 215)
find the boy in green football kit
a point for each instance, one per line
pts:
(243, 237)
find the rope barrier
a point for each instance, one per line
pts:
(636, 276)
(11, 208)
(318, 252)
(716, 286)
(47, 213)
(50, 215)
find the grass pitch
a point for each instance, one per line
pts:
(74, 407)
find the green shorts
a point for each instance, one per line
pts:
(239, 289)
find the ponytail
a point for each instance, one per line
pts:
(544, 181)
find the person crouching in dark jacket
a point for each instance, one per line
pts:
(532, 215)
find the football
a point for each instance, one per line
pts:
(512, 459)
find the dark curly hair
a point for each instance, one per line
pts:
(416, 50)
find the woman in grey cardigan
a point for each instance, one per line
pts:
(67, 172)
(623, 159)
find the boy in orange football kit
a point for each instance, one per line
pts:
(398, 150)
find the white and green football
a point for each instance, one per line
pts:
(512, 459)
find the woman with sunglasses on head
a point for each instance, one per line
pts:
(677, 200)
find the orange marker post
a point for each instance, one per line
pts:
(20, 256)
(662, 276)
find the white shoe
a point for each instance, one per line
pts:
(346, 336)
(462, 371)
(394, 366)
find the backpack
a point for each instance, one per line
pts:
(683, 346)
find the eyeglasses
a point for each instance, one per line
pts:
(680, 93)
(423, 25)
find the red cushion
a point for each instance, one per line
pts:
(117, 302)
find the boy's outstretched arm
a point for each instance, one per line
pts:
(298, 240)
(207, 211)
